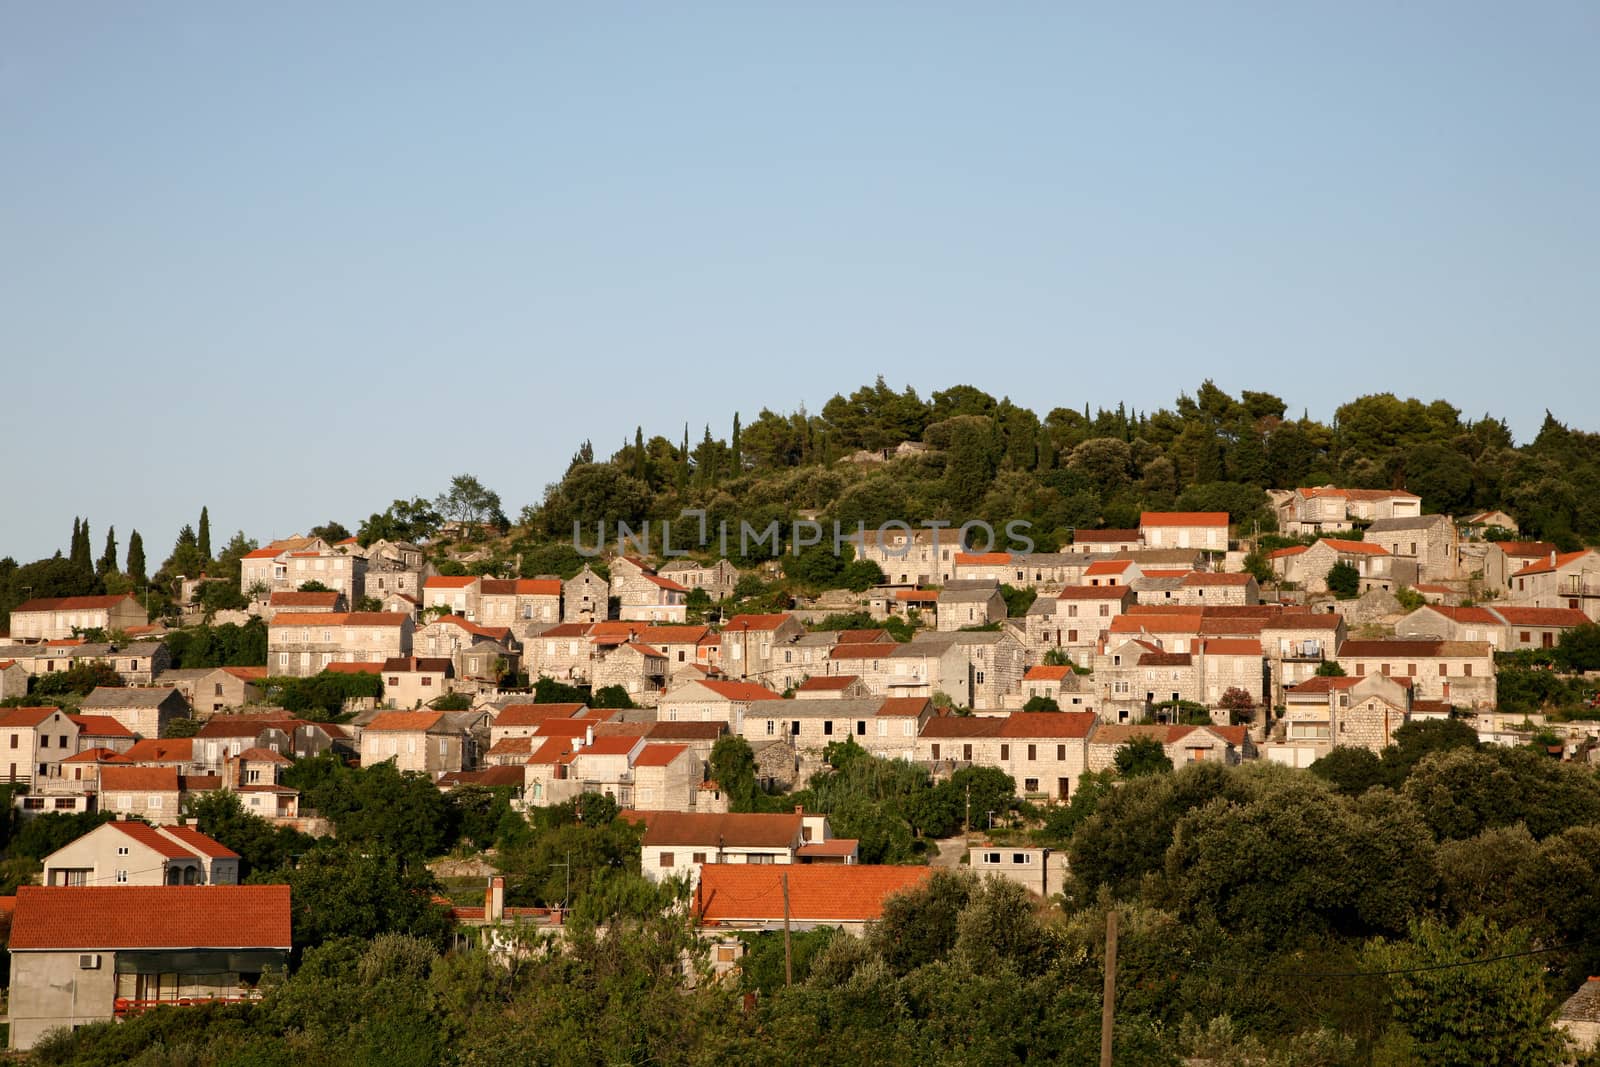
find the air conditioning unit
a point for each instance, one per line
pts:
(89, 961)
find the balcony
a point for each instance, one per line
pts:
(123, 1007)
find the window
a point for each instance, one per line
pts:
(1033, 753)
(426, 682)
(217, 690)
(283, 659)
(991, 857)
(827, 728)
(1030, 785)
(122, 850)
(1005, 751)
(122, 877)
(1466, 670)
(772, 727)
(698, 857)
(668, 859)
(966, 753)
(979, 677)
(1444, 670)
(1072, 637)
(1021, 858)
(725, 954)
(394, 680)
(861, 728)
(1061, 753)
(153, 802)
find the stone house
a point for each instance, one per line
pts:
(1106, 573)
(1564, 580)
(666, 777)
(751, 645)
(585, 597)
(1355, 712)
(995, 662)
(426, 742)
(34, 741)
(708, 700)
(452, 594)
(837, 687)
(1048, 571)
(643, 595)
(152, 793)
(524, 720)
(1202, 589)
(1206, 530)
(524, 605)
(970, 602)
(300, 645)
(1459, 673)
(478, 654)
(145, 712)
(294, 600)
(1106, 541)
(1328, 509)
(1059, 683)
(1045, 752)
(996, 567)
(1297, 644)
(1479, 523)
(563, 653)
(176, 752)
(1135, 675)
(885, 727)
(687, 648)
(1308, 565)
(735, 897)
(639, 669)
(13, 679)
(911, 557)
(718, 579)
(1181, 744)
(50, 618)
(1425, 548)
(1041, 871)
(212, 689)
(1075, 620)
(280, 569)
(415, 681)
(134, 853)
(1501, 559)
(1579, 1017)
(949, 742)
(94, 954)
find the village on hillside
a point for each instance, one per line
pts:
(634, 683)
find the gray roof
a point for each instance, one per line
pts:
(186, 674)
(863, 708)
(1584, 1005)
(1421, 522)
(1045, 605)
(129, 697)
(819, 639)
(1155, 584)
(1053, 559)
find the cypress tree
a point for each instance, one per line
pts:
(108, 561)
(81, 558)
(136, 558)
(638, 452)
(72, 545)
(683, 460)
(205, 535)
(738, 460)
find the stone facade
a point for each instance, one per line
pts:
(585, 597)
(1428, 543)
(48, 619)
(299, 645)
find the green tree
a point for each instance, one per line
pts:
(1352, 771)
(1142, 756)
(1579, 648)
(469, 502)
(733, 767)
(342, 891)
(108, 558)
(1041, 704)
(203, 537)
(1344, 581)
(1468, 995)
(136, 563)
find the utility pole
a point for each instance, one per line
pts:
(968, 821)
(788, 955)
(1108, 1007)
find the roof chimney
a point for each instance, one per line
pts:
(799, 809)
(588, 735)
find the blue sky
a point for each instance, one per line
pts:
(292, 261)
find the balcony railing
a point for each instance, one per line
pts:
(123, 1007)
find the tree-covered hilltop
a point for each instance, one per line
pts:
(972, 456)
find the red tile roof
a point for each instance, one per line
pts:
(262, 553)
(207, 846)
(150, 750)
(673, 635)
(919, 595)
(25, 718)
(151, 917)
(1323, 684)
(1547, 565)
(354, 668)
(248, 674)
(96, 755)
(303, 600)
(859, 651)
(664, 583)
(744, 623)
(261, 755)
(1285, 553)
(904, 706)
(152, 838)
(983, 559)
(1044, 673)
(1231, 646)
(1102, 537)
(1108, 566)
(494, 633)
(445, 581)
(72, 603)
(739, 691)
(824, 684)
(1358, 548)
(534, 714)
(314, 619)
(1519, 616)
(833, 848)
(1183, 518)
(864, 637)
(405, 721)
(659, 755)
(1072, 724)
(845, 892)
(732, 829)
(1478, 616)
(139, 779)
(1166, 659)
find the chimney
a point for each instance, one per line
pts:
(799, 809)
(588, 735)
(494, 900)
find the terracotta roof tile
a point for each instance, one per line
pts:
(1044, 673)
(739, 691)
(151, 917)
(534, 714)
(1068, 724)
(72, 603)
(845, 892)
(405, 721)
(139, 779)
(903, 707)
(659, 755)
(303, 600)
(732, 829)
(1183, 518)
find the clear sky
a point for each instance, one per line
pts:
(294, 260)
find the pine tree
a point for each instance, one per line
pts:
(136, 558)
(108, 560)
(204, 537)
(738, 460)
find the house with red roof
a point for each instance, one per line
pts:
(1321, 714)
(300, 644)
(13, 679)
(289, 563)
(128, 852)
(1460, 673)
(1206, 530)
(711, 700)
(622, 763)
(1319, 510)
(89, 954)
(51, 618)
(295, 600)
(744, 897)
(1075, 619)
(154, 794)
(1560, 580)
(480, 655)
(832, 687)
(642, 595)
(523, 605)
(679, 844)
(423, 742)
(753, 646)
(638, 668)
(1106, 541)
(1182, 744)
(1308, 565)
(718, 579)
(33, 742)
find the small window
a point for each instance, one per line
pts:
(699, 857)
(1005, 751)
(991, 857)
(668, 859)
